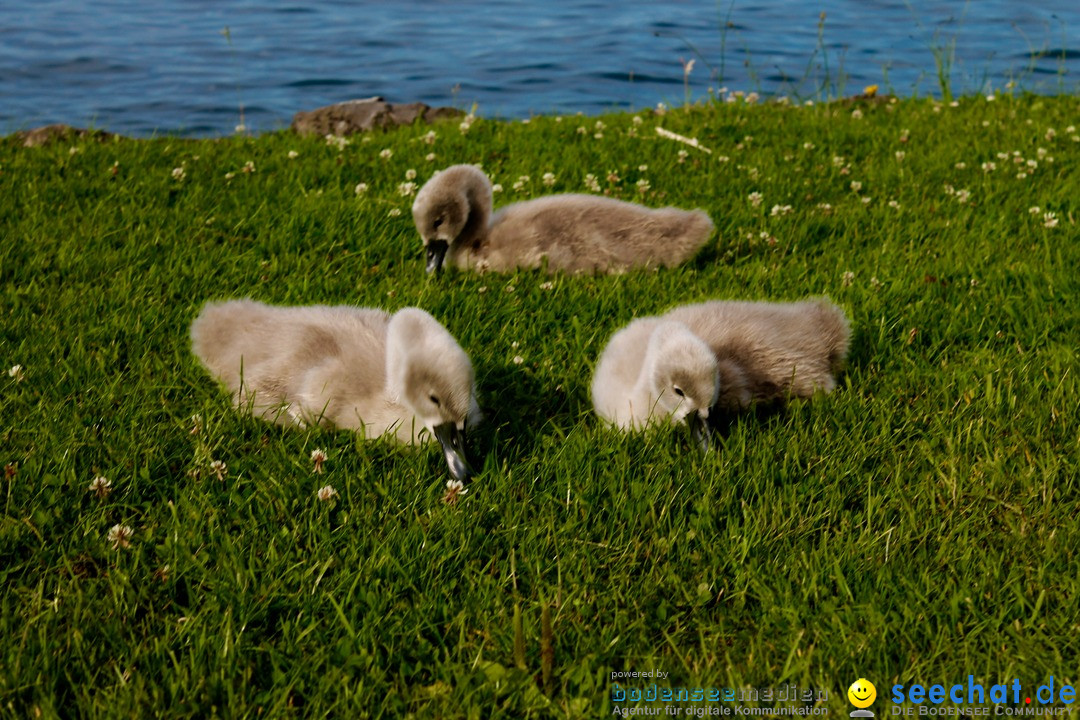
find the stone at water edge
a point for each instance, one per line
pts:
(355, 116)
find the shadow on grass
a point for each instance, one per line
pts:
(517, 404)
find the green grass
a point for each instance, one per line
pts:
(918, 525)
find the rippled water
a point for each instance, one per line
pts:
(138, 68)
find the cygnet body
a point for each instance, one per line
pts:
(573, 233)
(655, 367)
(342, 367)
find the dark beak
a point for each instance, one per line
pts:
(436, 252)
(453, 445)
(699, 430)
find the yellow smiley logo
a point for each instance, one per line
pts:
(862, 693)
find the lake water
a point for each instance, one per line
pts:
(138, 68)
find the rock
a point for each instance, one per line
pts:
(53, 133)
(356, 116)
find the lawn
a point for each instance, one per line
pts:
(917, 525)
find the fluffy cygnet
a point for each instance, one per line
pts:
(573, 233)
(343, 367)
(718, 355)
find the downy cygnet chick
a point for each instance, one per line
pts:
(656, 367)
(573, 233)
(343, 367)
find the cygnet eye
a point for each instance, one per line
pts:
(434, 399)
(679, 391)
(437, 223)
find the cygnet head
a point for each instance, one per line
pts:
(431, 375)
(684, 377)
(451, 207)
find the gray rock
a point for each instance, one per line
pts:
(356, 116)
(54, 133)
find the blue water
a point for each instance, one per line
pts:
(140, 68)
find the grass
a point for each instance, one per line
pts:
(918, 525)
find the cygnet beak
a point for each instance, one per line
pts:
(453, 445)
(699, 430)
(436, 252)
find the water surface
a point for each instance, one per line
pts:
(138, 68)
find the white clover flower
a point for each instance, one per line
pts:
(430, 137)
(327, 493)
(865, 200)
(454, 489)
(293, 154)
(406, 189)
(497, 188)
(548, 179)
(410, 174)
(752, 98)
(100, 486)
(591, 183)
(518, 360)
(430, 157)
(755, 198)
(856, 186)
(318, 456)
(360, 188)
(960, 166)
(856, 114)
(219, 468)
(1050, 220)
(394, 212)
(178, 173)
(120, 536)
(780, 210)
(637, 120)
(894, 205)
(547, 285)
(337, 141)
(581, 131)
(643, 168)
(16, 372)
(643, 186)
(989, 166)
(613, 177)
(1051, 133)
(386, 153)
(1034, 210)
(683, 155)
(847, 278)
(875, 283)
(838, 161)
(230, 175)
(962, 196)
(249, 167)
(808, 146)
